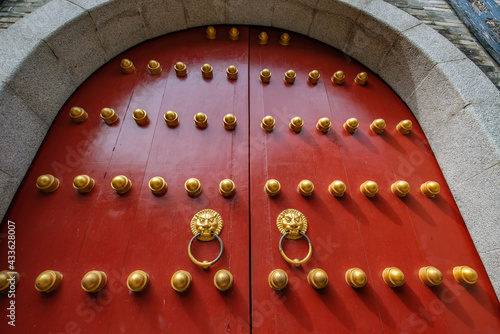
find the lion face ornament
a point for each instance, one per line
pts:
(205, 222)
(292, 221)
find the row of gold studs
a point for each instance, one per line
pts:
(234, 35)
(392, 276)
(180, 68)
(229, 121)
(122, 184)
(207, 72)
(95, 280)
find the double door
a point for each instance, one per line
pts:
(75, 233)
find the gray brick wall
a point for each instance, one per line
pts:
(13, 10)
(438, 15)
(435, 13)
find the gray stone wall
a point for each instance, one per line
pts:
(42, 63)
(437, 14)
(12, 11)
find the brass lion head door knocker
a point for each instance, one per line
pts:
(206, 225)
(293, 225)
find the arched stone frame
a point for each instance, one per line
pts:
(48, 54)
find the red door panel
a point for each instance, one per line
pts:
(387, 231)
(103, 249)
(50, 228)
(384, 222)
(290, 158)
(416, 231)
(161, 231)
(108, 233)
(118, 234)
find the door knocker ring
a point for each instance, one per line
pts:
(293, 225)
(206, 226)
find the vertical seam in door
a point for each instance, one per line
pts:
(123, 263)
(249, 191)
(79, 252)
(137, 204)
(356, 216)
(95, 203)
(411, 223)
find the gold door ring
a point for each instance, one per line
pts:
(296, 262)
(205, 264)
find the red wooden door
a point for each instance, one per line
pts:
(352, 231)
(74, 233)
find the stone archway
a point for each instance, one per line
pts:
(47, 55)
